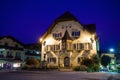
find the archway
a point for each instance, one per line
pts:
(66, 62)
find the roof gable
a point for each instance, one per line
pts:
(66, 36)
(12, 38)
(90, 28)
(66, 17)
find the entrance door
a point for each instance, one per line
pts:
(66, 62)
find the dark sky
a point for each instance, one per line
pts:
(27, 20)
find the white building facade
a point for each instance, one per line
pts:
(11, 53)
(67, 42)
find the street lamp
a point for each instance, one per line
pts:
(111, 50)
(40, 40)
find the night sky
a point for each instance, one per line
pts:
(27, 20)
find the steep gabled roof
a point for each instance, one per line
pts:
(65, 17)
(90, 28)
(10, 37)
(66, 36)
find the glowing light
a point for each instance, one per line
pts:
(37, 52)
(16, 65)
(49, 41)
(40, 39)
(112, 50)
(2, 49)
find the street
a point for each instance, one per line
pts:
(57, 75)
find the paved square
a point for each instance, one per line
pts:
(57, 75)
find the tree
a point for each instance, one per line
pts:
(96, 62)
(87, 62)
(95, 59)
(92, 63)
(105, 60)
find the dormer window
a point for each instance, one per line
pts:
(75, 33)
(57, 35)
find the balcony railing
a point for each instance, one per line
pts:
(9, 56)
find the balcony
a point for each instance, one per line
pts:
(17, 58)
(2, 56)
(9, 56)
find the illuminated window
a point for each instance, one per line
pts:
(47, 47)
(57, 35)
(52, 47)
(76, 33)
(87, 46)
(69, 46)
(56, 47)
(52, 60)
(78, 46)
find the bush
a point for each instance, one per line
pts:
(92, 63)
(32, 63)
(87, 62)
(81, 68)
(90, 69)
(96, 67)
(118, 67)
(52, 67)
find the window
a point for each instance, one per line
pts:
(18, 56)
(63, 44)
(69, 46)
(78, 46)
(1, 54)
(88, 46)
(16, 45)
(6, 44)
(82, 46)
(62, 27)
(52, 60)
(78, 60)
(9, 55)
(57, 35)
(47, 47)
(76, 33)
(56, 47)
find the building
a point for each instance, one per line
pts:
(11, 53)
(32, 51)
(14, 54)
(118, 55)
(67, 42)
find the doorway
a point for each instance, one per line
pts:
(66, 62)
